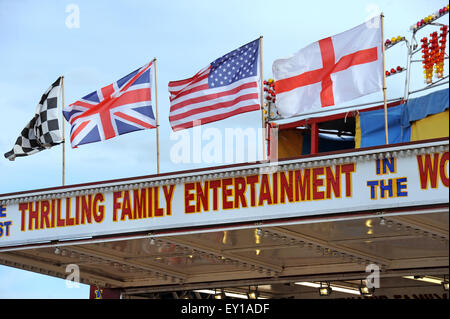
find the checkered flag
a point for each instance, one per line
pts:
(42, 131)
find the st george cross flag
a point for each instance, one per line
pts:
(42, 132)
(333, 70)
(228, 86)
(122, 107)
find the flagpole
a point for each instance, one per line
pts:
(157, 119)
(262, 98)
(384, 81)
(63, 136)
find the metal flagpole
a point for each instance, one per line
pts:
(384, 81)
(63, 136)
(262, 98)
(157, 119)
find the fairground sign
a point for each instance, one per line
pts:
(393, 177)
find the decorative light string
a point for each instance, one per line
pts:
(440, 52)
(433, 54)
(269, 108)
(429, 19)
(427, 64)
(397, 70)
(389, 43)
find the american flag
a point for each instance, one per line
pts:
(122, 107)
(228, 86)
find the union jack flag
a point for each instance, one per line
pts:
(122, 107)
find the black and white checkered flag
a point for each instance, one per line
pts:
(42, 131)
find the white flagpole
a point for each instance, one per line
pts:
(384, 81)
(63, 136)
(263, 122)
(157, 119)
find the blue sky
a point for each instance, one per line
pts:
(117, 37)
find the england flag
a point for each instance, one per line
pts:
(330, 71)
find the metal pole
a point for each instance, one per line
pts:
(157, 119)
(63, 136)
(384, 81)
(263, 121)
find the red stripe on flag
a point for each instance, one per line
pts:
(78, 130)
(304, 79)
(315, 76)
(107, 91)
(360, 57)
(328, 59)
(107, 125)
(190, 91)
(192, 82)
(134, 120)
(135, 96)
(214, 106)
(213, 96)
(250, 108)
(83, 104)
(134, 78)
(187, 81)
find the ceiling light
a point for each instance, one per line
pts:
(219, 295)
(366, 291)
(225, 237)
(258, 234)
(252, 294)
(345, 290)
(259, 231)
(433, 280)
(325, 289)
(226, 294)
(351, 291)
